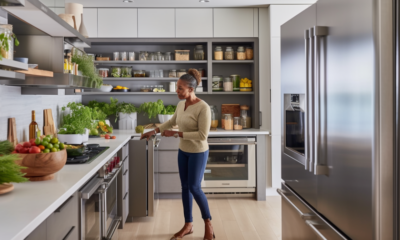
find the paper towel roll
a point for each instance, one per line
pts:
(77, 10)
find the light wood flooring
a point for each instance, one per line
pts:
(233, 219)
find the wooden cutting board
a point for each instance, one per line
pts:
(36, 72)
(12, 131)
(233, 109)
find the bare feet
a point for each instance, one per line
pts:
(209, 231)
(187, 229)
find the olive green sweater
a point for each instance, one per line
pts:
(194, 123)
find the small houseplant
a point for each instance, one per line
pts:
(86, 66)
(127, 116)
(5, 40)
(167, 113)
(76, 124)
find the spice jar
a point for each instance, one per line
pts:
(142, 56)
(245, 116)
(172, 74)
(131, 56)
(229, 53)
(228, 84)
(214, 116)
(217, 84)
(181, 72)
(228, 122)
(198, 52)
(241, 54)
(139, 73)
(124, 56)
(237, 123)
(103, 72)
(116, 72)
(168, 56)
(116, 56)
(126, 72)
(151, 57)
(218, 55)
(249, 53)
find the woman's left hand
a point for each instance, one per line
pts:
(169, 133)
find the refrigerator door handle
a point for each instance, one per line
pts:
(303, 215)
(312, 224)
(319, 102)
(307, 135)
(310, 100)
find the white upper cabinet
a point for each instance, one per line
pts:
(233, 22)
(279, 14)
(191, 23)
(90, 21)
(117, 22)
(156, 23)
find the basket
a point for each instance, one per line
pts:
(182, 55)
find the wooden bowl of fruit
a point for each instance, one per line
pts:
(41, 157)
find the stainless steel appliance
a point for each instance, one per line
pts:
(91, 153)
(337, 121)
(98, 207)
(231, 163)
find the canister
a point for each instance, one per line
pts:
(236, 82)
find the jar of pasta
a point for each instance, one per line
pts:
(228, 122)
(218, 55)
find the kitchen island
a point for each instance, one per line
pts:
(31, 203)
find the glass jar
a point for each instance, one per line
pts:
(181, 72)
(131, 56)
(172, 86)
(126, 72)
(152, 74)
(103, 72)
(151, 56)
(228, 122)
(168, 56)
(229, 54)
(237, 123)
(228, 84)
(160, 56)
(145, 88)
(172, 73)
(218, 54)
(245, 116)
(124, 56)
(241, 54)
(139, 73)
(142, 56)
(116, 72)
(202, 72)
(236, 82)
(116, 56)
(217, 84)
(249, 53)
(161, 73)
(198, 52)
(214, 116)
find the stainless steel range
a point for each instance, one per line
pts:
(91, 153)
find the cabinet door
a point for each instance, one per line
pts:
(90, 20)
(168, 162)
(233, 22)
(192, 23)
(156, 23)
(117, 22)
(39, 233)
(169, 183)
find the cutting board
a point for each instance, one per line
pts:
(36, 72)
(12, 131)
(233, 109)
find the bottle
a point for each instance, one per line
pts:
(33, 127)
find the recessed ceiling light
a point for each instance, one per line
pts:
(127, 1)
(202, 1)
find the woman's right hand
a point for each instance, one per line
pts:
(147, 135)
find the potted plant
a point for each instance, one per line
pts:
(167, 113)
(127, 116)
(86, 66)
(6, 44)
(152, 109)
(76, 125)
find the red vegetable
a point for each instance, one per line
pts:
(34, 149)
(113, 137)
(27, 145)
(24, 150)
(107, 136)
(19, 147)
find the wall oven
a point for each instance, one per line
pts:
(231, 163)
(98, 206)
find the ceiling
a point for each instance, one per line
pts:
(187, 3)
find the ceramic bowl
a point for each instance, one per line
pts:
(105, 88)
(23, 60)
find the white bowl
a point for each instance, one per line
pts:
(164, 118)
(105, 88)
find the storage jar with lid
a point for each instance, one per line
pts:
(116, 72)
(214, 116)
(236, 82)
(229, 54)
(160, 56)
(249, 53)
(142, 56)
(168, 56)
(126, 72)
(241, 53)
(151, 56)
(182, 55)
(181, 72)
(103, 72)
(228, 121)
(131, 56)
(124, 56)
(172, 86)
(237, 123)
(217, 84)
(228, 84)
(116, 56)
(198, 52)
(245, 116)
(172, 73)
(139, 73)
(218, 54)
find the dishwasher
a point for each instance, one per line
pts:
(141, 176)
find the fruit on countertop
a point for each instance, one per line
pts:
(107, 136)
(139, 129)
(113, 137)
(101, 128)
(38, 145)
(120, 87)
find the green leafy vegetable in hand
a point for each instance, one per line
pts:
(9, 170)
(86, 65)
(152, 108)
(139, 129)
(6, 147)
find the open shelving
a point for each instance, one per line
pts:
(148, 62)
(143, 79)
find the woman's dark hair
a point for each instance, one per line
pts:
(192, 78)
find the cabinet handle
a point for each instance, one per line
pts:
(69, 232)
(60, 208)
(126, 194)
(125, 172)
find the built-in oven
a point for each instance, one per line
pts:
(231, 163)
(98, 206)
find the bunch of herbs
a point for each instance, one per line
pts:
(78, 121)
(86, 65)
(9, 170)
(152, 109)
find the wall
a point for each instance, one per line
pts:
(13, 104)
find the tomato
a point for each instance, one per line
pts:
(18, 147)
(34, 149)
(27, 145)
(24, 150)
(56, 146)
(113, 137)
(107, 136)
(49, 146)
(42, 147)
(54, 140)
(32, 142)
(45, 144)
(15, 151)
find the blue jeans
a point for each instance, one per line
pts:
(191, 171)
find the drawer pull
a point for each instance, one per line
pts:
(125, 172)
(126, 194)
(69, 232)
(59, 209)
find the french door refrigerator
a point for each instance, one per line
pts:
(338, 121)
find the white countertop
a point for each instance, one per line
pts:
(30, 203)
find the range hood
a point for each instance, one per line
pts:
(34, 16)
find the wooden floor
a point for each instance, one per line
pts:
(233, 219)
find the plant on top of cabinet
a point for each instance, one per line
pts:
(86, 65)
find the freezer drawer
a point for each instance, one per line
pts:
(301, 222)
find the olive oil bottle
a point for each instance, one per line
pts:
(33, 127)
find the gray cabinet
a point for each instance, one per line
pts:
(90, 21)
(117, 22)
(169, 183)
(194, 22)
(154, 23)
(39, 233)
(166, 168)
(233, 22)
(123, 188)
(168, 161)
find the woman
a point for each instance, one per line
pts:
(193, 117)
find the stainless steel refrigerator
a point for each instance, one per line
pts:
(339, 121)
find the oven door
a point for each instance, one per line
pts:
(90, 208)
(231, 163)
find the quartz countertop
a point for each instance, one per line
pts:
(30, 203)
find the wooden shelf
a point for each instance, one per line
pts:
(149, 62)
(36, 73)
(233, 61)
(143, 79)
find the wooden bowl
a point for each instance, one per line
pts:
(42, 166)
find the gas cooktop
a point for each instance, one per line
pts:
(91, 153)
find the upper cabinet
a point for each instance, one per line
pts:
(279, 14)
(191, 23)
(90, 21)
(117, 23)
(154, 23)
(233, 22)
